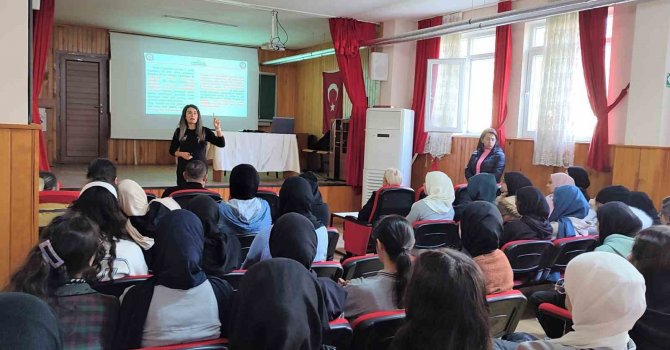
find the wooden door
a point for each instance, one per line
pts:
(84, 115)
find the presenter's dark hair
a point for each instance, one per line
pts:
(101, 169)
(487, 131)
(195, 170)
(183, 125)
(397, 236)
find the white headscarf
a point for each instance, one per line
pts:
(440, 191)
(607, 295)
(561, 179)
(102, 184)
(133, 201)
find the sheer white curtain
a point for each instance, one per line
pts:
(554, 141)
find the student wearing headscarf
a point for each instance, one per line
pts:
(179, 303)
(651, 256)
(664, 214)
(617, 227)
(481, 187)
(557, 180)
(392, 178)
(641, 200)
(438, 205)
(319, 207)
(143, 216)
(570, 209)
(533, 224)
(481, 225)
(606, 297)
(295, 196)
(27, 322)
(292, 237)
(622, 194)
(512, 182)
(222, 250)
(244, 213)
(279, 306)
(581, 177)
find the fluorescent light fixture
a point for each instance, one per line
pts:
(201, 21)
(300, 57)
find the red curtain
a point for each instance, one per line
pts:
(347, 35)
(592, 36)
(425, 50)
(501, 73)
(43, 20)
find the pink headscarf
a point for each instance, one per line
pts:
(561, 179)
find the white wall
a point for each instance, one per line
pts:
(14, 62)
(623, 32)
(398, 90)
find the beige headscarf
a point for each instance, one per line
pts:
(133, 201)
(607, 295)
(440, 191)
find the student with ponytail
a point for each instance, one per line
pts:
(385, 291)
(58, 270)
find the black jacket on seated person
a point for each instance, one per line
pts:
(493, 164)
(366, 211)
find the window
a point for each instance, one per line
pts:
(585, 120)
(459, 89)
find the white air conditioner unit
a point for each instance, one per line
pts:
(389, 133)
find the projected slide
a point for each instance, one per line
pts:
(215, 85)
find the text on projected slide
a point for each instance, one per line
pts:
(215, 85)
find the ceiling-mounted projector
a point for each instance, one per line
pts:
(275, 43)
(275, 46)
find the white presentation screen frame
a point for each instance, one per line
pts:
(127, 85)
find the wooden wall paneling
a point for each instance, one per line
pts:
(451, 164)
(626, 166)
(286, 81)
(5, 201)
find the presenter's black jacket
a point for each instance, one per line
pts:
(493, 164)
(191, 144)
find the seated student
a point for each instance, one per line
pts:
(123, 257)
(481, 225)
(27, 322)
(292, 237)
(143, 216)
(243, 213)
(195, 176)
(664, 214)
(179, 304)
(481, 187)
(57, 269)
(506, 202)
(279, 306)
(606, 297)
(385, 291)
(557, 180)
(222, 249)
(570, 210)
(295, 196)
(438, 204)
(446, 306)
(48, 181)
(617, 227)
(533, 224)
(319, 207)
(641, 200)
(392, 177)
(622, 194)
(102, 169)
(651, 256)
(581, 178)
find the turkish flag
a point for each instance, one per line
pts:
(332, 98)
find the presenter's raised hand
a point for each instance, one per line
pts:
(217, 123)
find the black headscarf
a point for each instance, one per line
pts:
(642, 201)
(222, 251)
(613, 193)
(514, 181)
(616, 217)
(481, 226)
(482, 187)
(279, 305)
(319, 208)
(534, 210)
(244, 180)
(27, 322)
(295, 196)
(581, 177)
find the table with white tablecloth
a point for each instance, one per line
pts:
(265, 151)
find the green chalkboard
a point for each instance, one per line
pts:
(267, 96)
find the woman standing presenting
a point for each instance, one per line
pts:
(488, 157)
(190, 139)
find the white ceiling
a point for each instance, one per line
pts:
(307, 27)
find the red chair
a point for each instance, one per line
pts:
(234, 278)
(505, 311)
(339, 335)
(60, 197)
(330, 269)
(273, 200)
(362, 266)
(388, 200)
(551, 310)
(433, 234)
(183, 196)
(118, 286)
(566, 249)
(214, 344)
(375, 331)
(528, 259)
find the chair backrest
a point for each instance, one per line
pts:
(432, 234)
(527, 256)
(282, 125)
(505, 312)
(234, 278)
(339, 334)
(214, 344)
(392, 200)
(362, 266)
(118, 286)
(333, 238)
(330, 269)
(183, 196)
(568, 248)
(375, 331)
(245, 243)
(61, 197)
(273, 201)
